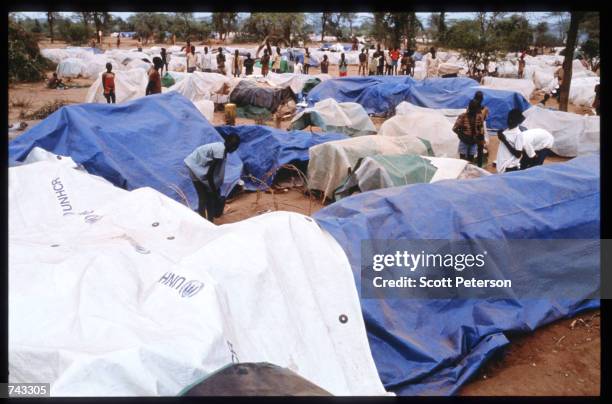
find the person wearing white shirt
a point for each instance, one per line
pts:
(206, 61)
(432, 63)
(297, 68)
(511, 144)
(537, 145)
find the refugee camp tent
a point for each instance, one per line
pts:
(575, 135)
(70, 67)
(405, 108)
(198, 86)
(429, 125)
(385, 171)
(521, 86)
(377, 94)
(251, 93)
(263, 150)
(97, 65)
(331, 116)
(457, 92)
(582, 91)
(331, 162)
(129, 85)
(433, 346)
(54, 55)
(295, 81)
(206, 108)
(131, 293)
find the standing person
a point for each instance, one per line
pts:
(307, 61)
(221, 61)
(187, 48)
(237, 64)
(521, 66)
(470, 130)
(118, 40)
(373, 65)
(206, 165)
(206, 61)
(342, 66)
(265, 63)
(248, 65)
(404, 64)
(276, 61)
(324, 65)
(432, 63)
(381, 63)
(389, 63)
(395, 55)
(139, 44)
(559, 76)
(363, 63)
(173, 39)
(191, 60)
(99, 36)
(108, 82)
(154, 86)
(164, 58)
(596, 100)
(511, 144)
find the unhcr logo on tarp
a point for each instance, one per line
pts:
(185, 288)
(62, 197)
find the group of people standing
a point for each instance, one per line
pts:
(391, 62)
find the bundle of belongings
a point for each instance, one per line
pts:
(258, 101)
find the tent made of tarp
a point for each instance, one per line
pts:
(377, 94)
(198, 86)
(406, 108)
(521, 86)
(575, 135)
(429, 125)
(331, 116)
(129, 85)
(249, 92)
(70, 67)
(385, 171)
(295, 81)
(434, 346)
(582, 91)
(263, 150)
(117, 293)
(331, 162)
(443, 93)
(140, 143)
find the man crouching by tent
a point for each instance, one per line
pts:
(206, 166)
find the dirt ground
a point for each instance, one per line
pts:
(560, 359)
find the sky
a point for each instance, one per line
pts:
(533, 17)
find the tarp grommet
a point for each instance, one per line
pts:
(155, 224)
(309, 219)
(55, 245)
(343, 318)
(170, 237)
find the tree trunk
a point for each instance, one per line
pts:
(323, 21)
(50, 22)
(570, 45)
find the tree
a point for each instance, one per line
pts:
(325, 19)
(51, 17)
(394, 28)
(223, 23)
(25, 62)
(442, 27)
(512, 34)
(350, 19)
(570, 46)
(590, 51)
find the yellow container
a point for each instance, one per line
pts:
(230, 114)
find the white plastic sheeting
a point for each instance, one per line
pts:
(330, 162)
(198, 86)
(54, 55)
(425, 124)
(521, 86)
(97, 65)
(295, 81)
(575, 135)
(129, 85)
(71, 68)
(346, 117)
(206, 108)
(582, 91)
(117, 293)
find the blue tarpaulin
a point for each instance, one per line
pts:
(457, 92)
(264, 149)
(143, 143)
(378, 95)
(433, 346)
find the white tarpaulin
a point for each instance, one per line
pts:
(70, 67)
(293, 80)
(331, 116)
(129, 85)
(117, 293)
(200, 86)
(575, 135)
(582, 91)
(206, 108)
(330, 162)
(97, 65)
(521, 86)
(426, 124)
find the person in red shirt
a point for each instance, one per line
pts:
(108, 82)
(154, 86)
(395, 55)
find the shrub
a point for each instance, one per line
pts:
(76, 34)
(25, 63)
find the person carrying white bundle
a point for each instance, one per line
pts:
(537, 145)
